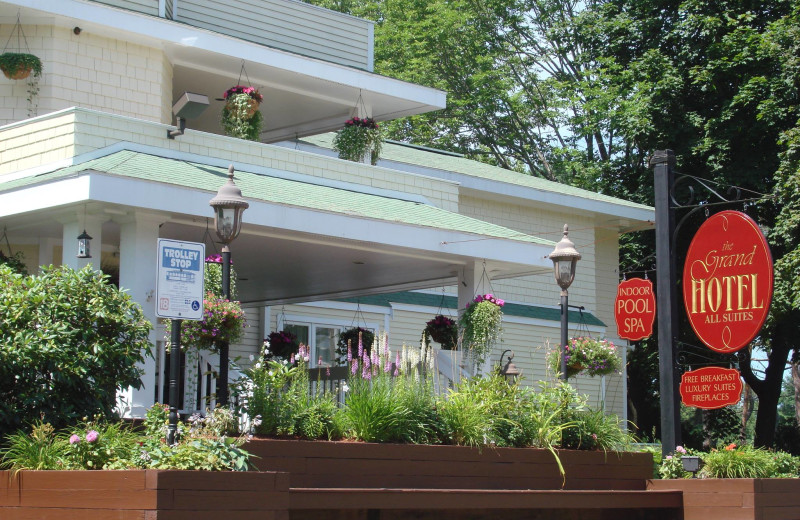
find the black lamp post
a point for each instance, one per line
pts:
(228, 207)
(565, 259)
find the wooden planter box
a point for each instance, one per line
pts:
(321, 464)
(143, 495)
(736, 499)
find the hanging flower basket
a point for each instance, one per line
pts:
(358, 139)
(589, 356)
(17, 65)
(223, 320)
(481, 323)
(442, 330)
(240, 116)
(282, 344)
(351, 336)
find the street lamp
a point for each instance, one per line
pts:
(228, 207)
(565, 259)
(509, 370)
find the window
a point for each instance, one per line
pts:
(320, 338)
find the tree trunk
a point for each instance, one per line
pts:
(796, 384)
(768, 390)
(747, 411)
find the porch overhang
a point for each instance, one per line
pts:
(303, 95)
(299, 242)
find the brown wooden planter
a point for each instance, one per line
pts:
(320, 464)
(143, 495)
(736, 499)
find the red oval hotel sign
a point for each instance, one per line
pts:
(635, 309)
(727, 281)
(711, 387)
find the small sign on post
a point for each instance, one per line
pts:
(711, 387)
(180, 282)
(635, 309)
(179, 296)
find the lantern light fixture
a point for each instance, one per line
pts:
(228, 207)
(84, 250)
(509, 370)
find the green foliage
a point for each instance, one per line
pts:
(671, 465)
(68, 341)
(702, 429)
(733, 462)
(275, 396)
(223, 320)
(37, 450)
(223, 454)
(443, 330)
(481, 324)
(358, 139)
(371, 412)
(586, 356)
(742, 462)
(99, 445)
(213, 276)
(594, 430)
(15, 262)
(351, 338)
(240, 119)
(13, 62)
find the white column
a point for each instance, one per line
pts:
(69, 241)
(46, 251)
(138, 246)
(469, 278)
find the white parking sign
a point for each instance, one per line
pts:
(180, 283)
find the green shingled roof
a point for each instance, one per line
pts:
(154, 168)
(451, 302)
(426, 157)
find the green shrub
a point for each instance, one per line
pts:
(275, 395)
(595, 430)
(35, 450)
(372, 414)
(99, 445)
(68, 341)
(741, 462)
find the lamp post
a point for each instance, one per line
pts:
(565, 259)
(509, 370)
(228, 207)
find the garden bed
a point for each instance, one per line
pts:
(736, 499)
(321, 464)
(143, 494)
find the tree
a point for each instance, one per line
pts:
(583, 92)
(68, 341)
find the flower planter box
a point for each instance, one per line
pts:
(320, 464)
(143, 494)
(736, 499)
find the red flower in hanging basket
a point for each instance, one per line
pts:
(282, 344)
(442, 330)
(366, 122)
(241, 89)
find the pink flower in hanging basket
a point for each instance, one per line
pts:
(240, 89)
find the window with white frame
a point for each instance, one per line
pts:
(320, 335)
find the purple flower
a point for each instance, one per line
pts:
(74, 439)
(354, 366)
(92, 436)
